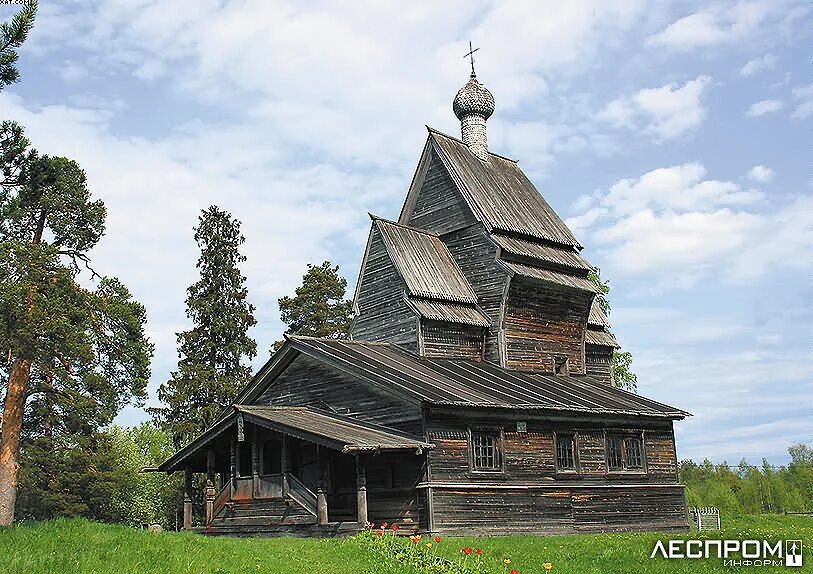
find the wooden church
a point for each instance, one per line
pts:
(474, 396)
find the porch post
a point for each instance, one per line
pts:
(210, 464)
(284, 464)
(210, 501)
(187, 499)
(255, 464)
(233, 463)
(321, 485)
(361, 488)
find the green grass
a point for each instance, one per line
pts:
(81, 547)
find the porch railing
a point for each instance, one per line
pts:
(221, 499)
(301, 493)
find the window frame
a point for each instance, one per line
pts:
(499, 451)
(623, 439)
(574, 452)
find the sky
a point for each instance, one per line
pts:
(674, 138)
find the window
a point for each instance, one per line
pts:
(560, 366)
(635, 457)
(614, 458)
(565, 449)
(625, 453)
(485, 450)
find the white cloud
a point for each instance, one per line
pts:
(763, 107)
(675, 225)
(803, 101)
(757, 65)
(722, 23)
(761, 174)
(667, 112)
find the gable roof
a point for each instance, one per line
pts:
(464, 383)
(499, 193)
(424, 262)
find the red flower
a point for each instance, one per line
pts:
(437, 539)
(479, 552)
(372, 525)
(384, 524)
(379, 534)
(415, 539)
(467, 551)
(395, 527)
(514, 571)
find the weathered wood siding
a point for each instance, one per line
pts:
(543, 321)
(599, 362)
(439, 207)
(476, 254)
(530, 495)
(451, 340)
(391, 482)
(529, 457)
(383, 313)
(659, 449)
(556, 510)
(307, 382)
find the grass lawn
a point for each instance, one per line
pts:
(81, 547)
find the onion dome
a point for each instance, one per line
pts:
(473, 98)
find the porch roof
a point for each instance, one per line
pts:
(333, 431)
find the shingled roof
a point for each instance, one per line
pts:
(459, 382)
(499, 194)
(424, 262)
(331, 430)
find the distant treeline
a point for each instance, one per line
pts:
(749, 489)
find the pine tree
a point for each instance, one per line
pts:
(73, 341)
(214, 354)
(623, 376)
(318, 307)
(12, 36)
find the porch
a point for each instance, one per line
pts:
(272, 471)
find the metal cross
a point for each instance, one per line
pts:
(471, 55)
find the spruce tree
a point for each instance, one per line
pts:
(73, 341)
(214, 355)
(318, 307)
(12, 36)
(623, 376)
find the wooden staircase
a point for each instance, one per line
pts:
(261, 517)
(280, 505)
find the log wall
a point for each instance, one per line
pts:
(383, 313)
(599, 362)
(451, 340)
(476, 254)
(307, 382)
(439, 207)
(544, 321)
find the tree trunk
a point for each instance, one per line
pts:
(10, 441)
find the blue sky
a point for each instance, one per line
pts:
(673, 137)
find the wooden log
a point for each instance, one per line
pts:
(233, 463)
(209, 496)
(255, 464)
(210, 464)
(361, 488)
(187, 499)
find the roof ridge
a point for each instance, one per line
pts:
(349, 341)
(397, 224)
(458, 140)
